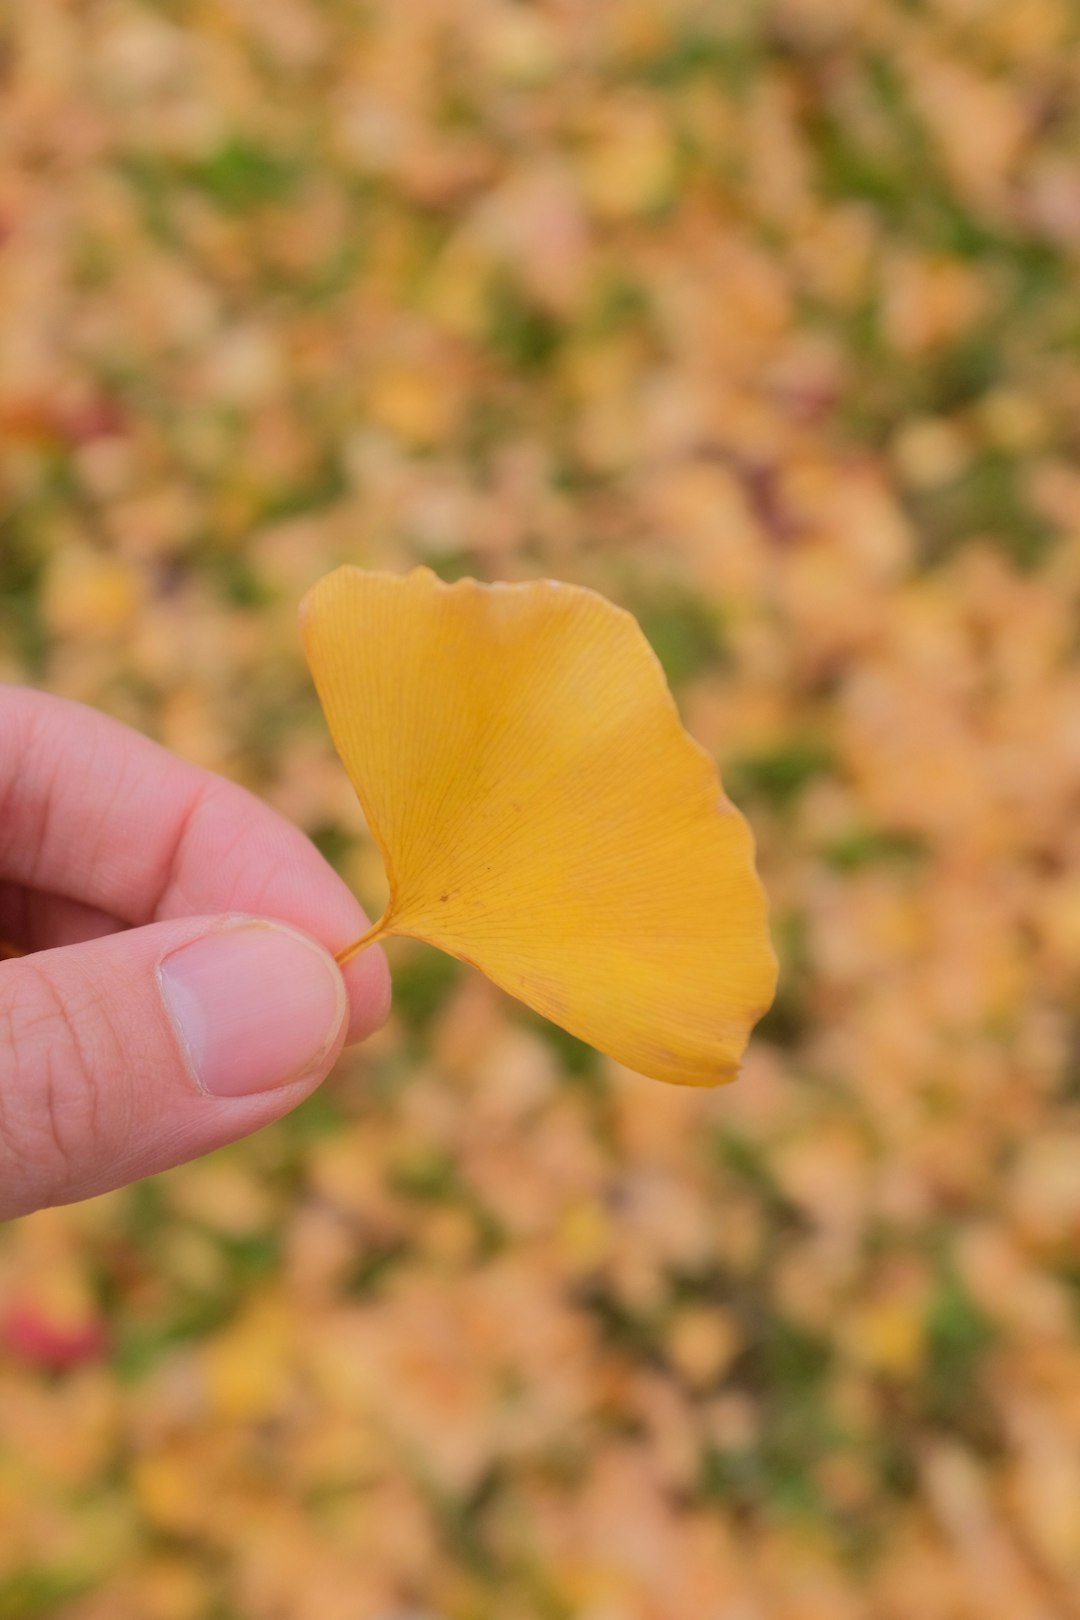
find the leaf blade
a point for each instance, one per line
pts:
(542, 813)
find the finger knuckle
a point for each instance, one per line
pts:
(57, 1041)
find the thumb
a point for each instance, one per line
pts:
(134, 1052)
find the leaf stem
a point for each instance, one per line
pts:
(361, 944)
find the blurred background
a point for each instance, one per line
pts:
(761, 318)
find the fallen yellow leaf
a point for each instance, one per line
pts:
(542, 813)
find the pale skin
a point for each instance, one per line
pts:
(179, 989)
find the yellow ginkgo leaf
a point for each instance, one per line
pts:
(542, 813)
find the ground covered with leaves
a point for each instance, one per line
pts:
(762, 319)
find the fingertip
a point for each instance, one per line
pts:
(367, 981)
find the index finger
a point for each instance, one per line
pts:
(93, 811)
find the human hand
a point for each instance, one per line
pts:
(180, 992)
